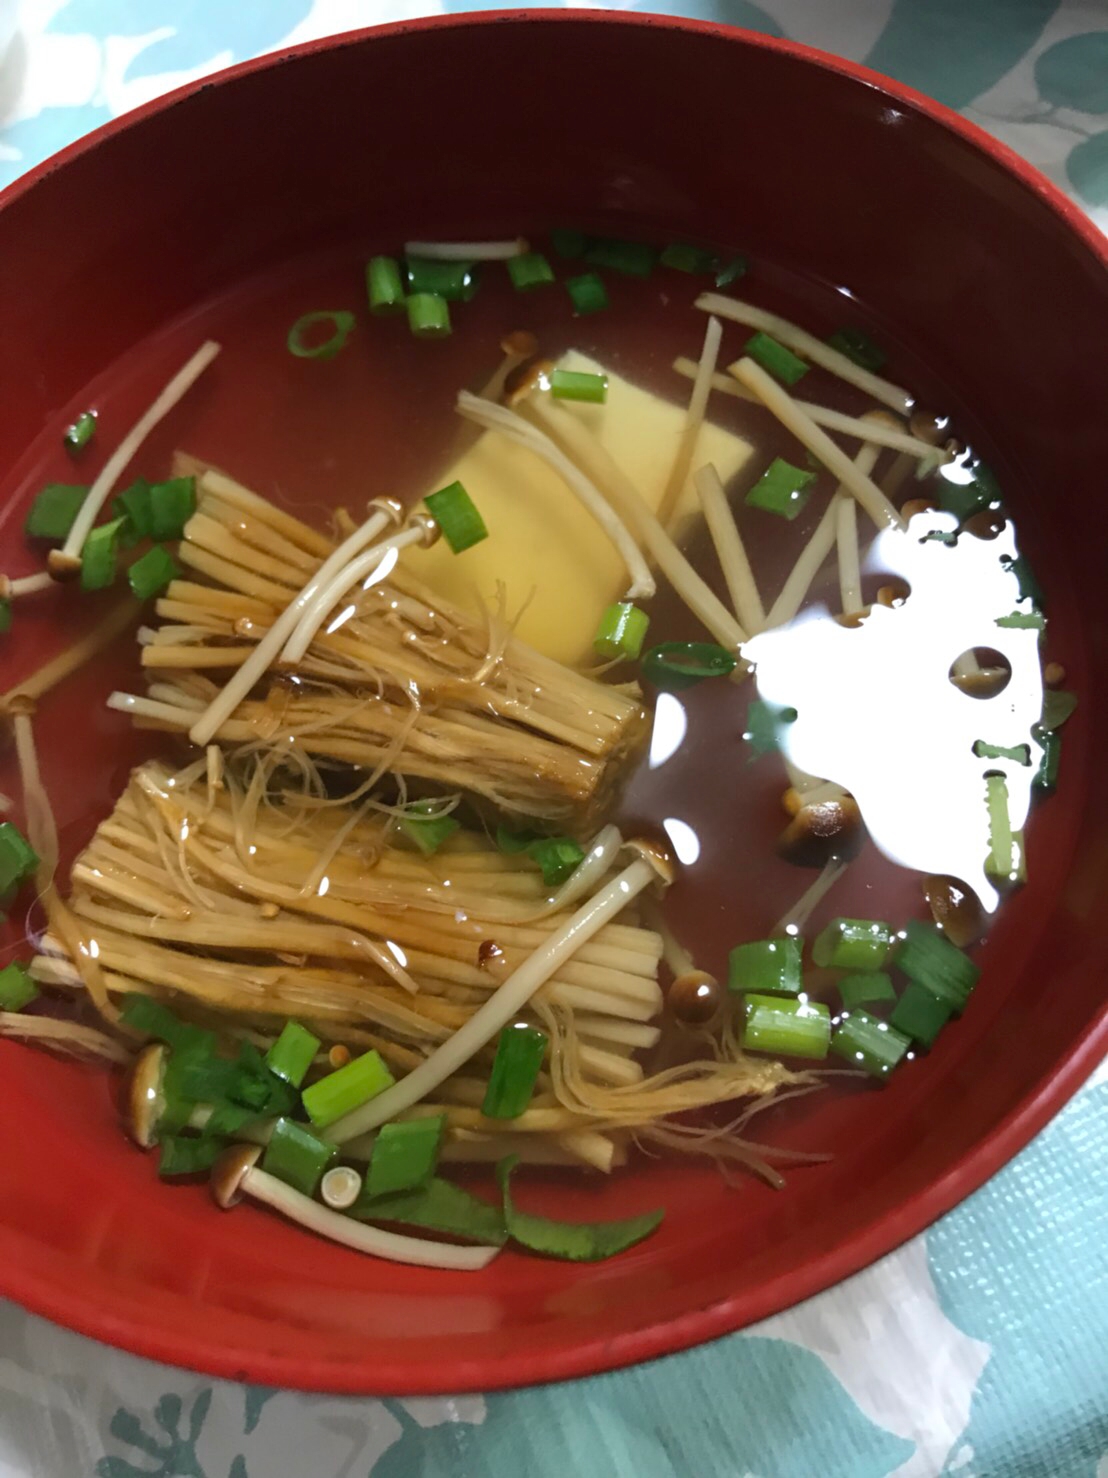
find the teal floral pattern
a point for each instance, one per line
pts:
(977, 1351)
(181, 35)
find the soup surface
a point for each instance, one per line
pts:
(876, 710)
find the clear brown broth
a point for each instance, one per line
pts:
(379, 419)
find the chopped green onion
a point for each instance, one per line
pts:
(515, 1070)
(570, 1241)
(940, 536)
(78, 436)
(512, 842)
(930, 959)
(1050, 742)
(860, 990)
(428, 316)
(54, 511)
(852, 944)
(257, 1088)
(684, 258)
(297, 1156)
(621, 632)
(453, 281)
(423, 824)
(17, 989)
(99, 556)
(300, 337)
(558, 857)
(439, 1206)
(5, 616)
(859, 347)
(404, 1155)
(731, 271)
(18, 859)
(579, 385)
(865, 1042)
(781, 489)
(767, 967)
(456, 514)
(1023, 621)
(633, 258)
(152, 1018)
(181, 1154)
(383, 286)
(346, 1089)
(920, 1015)
(1005, 860)
(775, 359)
(568, 243)
(152, 572)
(674, 665)
(588, 293)
(172, 504)
(1029, 587)
(1058, 706)
(293, 1053)
(787, 1028)
(1020, 754)
(764, 725)
(135, 505)
(530, 270)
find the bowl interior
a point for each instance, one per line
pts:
(643, 128)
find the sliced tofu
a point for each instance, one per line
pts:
(543, 546)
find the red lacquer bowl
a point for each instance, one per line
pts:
(651, 127)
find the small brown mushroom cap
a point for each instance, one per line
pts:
(523, 381)
(429, 530)
(521, 343)
(63, 567)
(391, 506)
(917, 505)
(657, 854)
(986, 683)
(229, 1172)
(956, 909)
(822, 831)
(694, 998)
(19, 705)
(987, 524)
(927, 426)
(879, 416)
(143, 1101)
(896, 592)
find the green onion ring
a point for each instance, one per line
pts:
(343, 322)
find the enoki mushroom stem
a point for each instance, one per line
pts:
(499, 1009)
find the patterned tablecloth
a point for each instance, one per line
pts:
(981, 1348)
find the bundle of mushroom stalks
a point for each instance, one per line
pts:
(242, 905)
(337, 656)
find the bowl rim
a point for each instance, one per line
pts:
(87, 1313)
